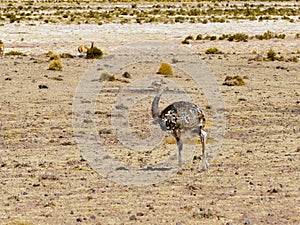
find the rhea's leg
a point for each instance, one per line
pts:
(179, 147)
(203, 136)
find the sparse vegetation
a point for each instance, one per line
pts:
(94, 53)
(106, 76)
(234, 81)
(165, 69)
(17, 53)
(55, 63)
(213, 51)
(271, 55)
(208, 12)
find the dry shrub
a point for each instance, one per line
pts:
(271, 55)
(165, 69)
(213, 51)
(234, 81)
(66, 56)
(54, 56)
(105, 76)
(56, 65)
(94, 53)
(49, 53)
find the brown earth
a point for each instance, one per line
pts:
(253, 180)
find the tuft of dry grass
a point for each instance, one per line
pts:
(234, 81)
(165, 69)
(106, 76)
(94, 53)
(56, 65)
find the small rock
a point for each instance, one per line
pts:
(126, 75)
(43, 86)
(133, 217)
(179, 223)
(79, 219)
(7, 78)
(229, 223)
(105, 131)
(140, 214)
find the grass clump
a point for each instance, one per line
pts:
(271, 55)
(234, 81)
(165, 69)
(17, 53)
(188, 39)
(55, 63)
(213, 50)
(94, 53)
(238, 37)
(106, 76)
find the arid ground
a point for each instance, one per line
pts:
(45, 179)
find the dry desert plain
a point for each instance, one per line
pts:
(45, 178)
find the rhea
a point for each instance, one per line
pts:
(179, 117)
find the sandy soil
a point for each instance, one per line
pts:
(45, 180)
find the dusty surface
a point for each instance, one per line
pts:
(253, 180)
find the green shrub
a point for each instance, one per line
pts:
(185, 41)
(56, 65)
(15, 53)
(106, 76)
(54, 56)
(271, 55)
(94, 53)
(213, 51)
(199, 37)
(234, 81)
(165, 69)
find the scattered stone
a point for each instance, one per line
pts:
(66, 143)
(126, 75)
(105, 131)
(150, 207)
(121, 106)
(179, 223)
(8, 78)
(133, 217)
(48, 177)
(273, 190)
(79, 219)
(203, 214)
(56, 78)
(140, 214)
(43, 86)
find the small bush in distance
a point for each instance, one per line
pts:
(271, 55)
(94, 53)
(56, 65)
(165, 69)
(234, 81)
(213, 50)
(106, 76)
(15, 53)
